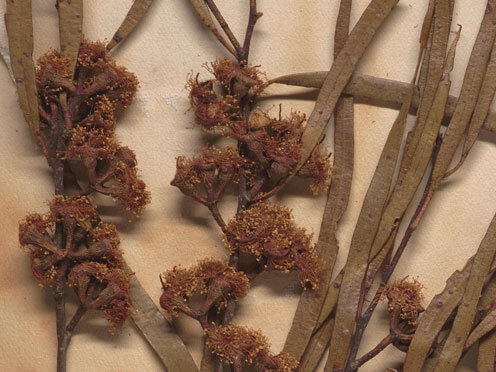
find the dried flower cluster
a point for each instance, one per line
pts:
(71, 240)
(212, 278)
(237, 345)
(404, 297)
(269, 232)
(84, 107)
(271, 145)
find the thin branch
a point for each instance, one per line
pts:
(223, 24)
(253, 18)
(386, 341)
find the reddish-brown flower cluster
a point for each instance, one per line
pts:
(212, 278)
(237, 345)
(71, 241)
(269, 232)
(205, 177)
(271, 144)
(83, 108)
(404, 297)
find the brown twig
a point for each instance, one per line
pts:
(254, 16)
(385, 342)
(224, 25)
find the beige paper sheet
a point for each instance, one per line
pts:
(292, 36)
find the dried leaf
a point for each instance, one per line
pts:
(481, 110)
(340, 72)
(19, 24)
(133, 18)
(4, 48)
(434, 72)
(472, 83)
(204, 13)
(487, 353)
(484, 327)
(418, 153)
(310, 303)
(157, 331)
(316, 347)
(366, 227)
(70, 28)
(465, 315)
(378, 91)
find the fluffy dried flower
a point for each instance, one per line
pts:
(269, 232)
(211, 277)
(318, 169)
(404, 297)
(236, 345)
(99, 287)
(205, 177)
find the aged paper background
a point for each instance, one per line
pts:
(292, 36)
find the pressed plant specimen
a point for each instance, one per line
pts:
(71, 100)
(267, 150)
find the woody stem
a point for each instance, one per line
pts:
(386, 341)
(223, 24)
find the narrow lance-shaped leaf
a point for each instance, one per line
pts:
(437, 313)
(368, 220)
(161, 337)
(433, 66)
(377, 91)
(484, 327)
(70, 28)
(481, 111)
(317, 347)
(20, 32)
(487, 344)
(419, 147)
(465, 315)
(133, 18)
(310, 303)
(471, 86)
(4, 47)
(487, 353)
(203, 12)
(339, 74)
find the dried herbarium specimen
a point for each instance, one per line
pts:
(267, 153)
(71, 99)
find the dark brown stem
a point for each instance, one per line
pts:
(254, 16)
(218, 217)
(388, 270)
(223, 24)
(386, 341)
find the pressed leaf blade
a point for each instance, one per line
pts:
(368, 221)
(310, 303)
(19, 24)
(340, 72)
(465, 315)
(133, 18)
(161, 337)
(470, 90)
(70, 28)
(375, 90)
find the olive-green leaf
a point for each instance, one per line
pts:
(19, 24)
(310, 303)
(133, 18)
(157, 331)
(465, 315)
(70, 28)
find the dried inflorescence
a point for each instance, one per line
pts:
(84, 107)
(237, 345)
(272, 144)
(71, 240)
(269, 232)
(405, 297)
(205, 177)
(210, 277)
